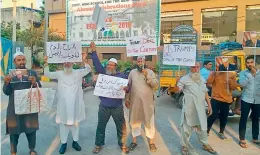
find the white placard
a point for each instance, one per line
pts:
(110, 86)
(141, 45)
(179, 54)
(60, 52)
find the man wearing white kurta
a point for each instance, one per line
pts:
(193, 115)
(70, 106)
(140, 100)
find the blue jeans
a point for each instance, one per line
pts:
(245, 109)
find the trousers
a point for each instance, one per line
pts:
(150, 133)
(245, 109)
(222, 109)
(64, 132)
(186, 132)
(31, 137)
(104, 115)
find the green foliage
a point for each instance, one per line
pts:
(7, 30)
(42, 10)
(76, 66)
(53, 67)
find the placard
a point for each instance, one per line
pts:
(60, 52)
(142, 45)
(19, 75)
(226, 64)
(110, 86)
(251, 39)
(179, 54)
(124, 19)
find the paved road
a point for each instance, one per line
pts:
(167, 137)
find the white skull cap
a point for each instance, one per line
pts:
(141, 57)
(17, 54)
(113, 60)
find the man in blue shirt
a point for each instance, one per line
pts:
(249, 79)
(205, 71)
(109, 106)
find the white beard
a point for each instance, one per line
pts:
(195, 77)
(67, 70)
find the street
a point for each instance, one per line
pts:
(167, 136)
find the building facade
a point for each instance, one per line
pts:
(19, 3)
(215, 21)
(24, 16)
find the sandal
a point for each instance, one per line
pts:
(33, 152)
(152, 147)
(243, 144)
(97, 149)
(132, 146)
(125, 150)
(209, 149)
(256, 142)
(222, 136)
(184, 151)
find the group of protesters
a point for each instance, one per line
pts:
(199, 87)
(217, 89)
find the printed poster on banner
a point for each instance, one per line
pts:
(123, 19)
(179, 54)
(251, 39)
(60, 52)
(141, 45)
(110, 86)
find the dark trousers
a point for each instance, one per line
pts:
(117, 114)
(31, 137)
(245, 109)
(221, 109)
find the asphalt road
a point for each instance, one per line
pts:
(167, 136)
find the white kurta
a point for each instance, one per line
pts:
(70, 103)
(194, 102)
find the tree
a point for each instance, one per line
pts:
(7, 30)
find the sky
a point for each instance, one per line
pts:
(38, 3)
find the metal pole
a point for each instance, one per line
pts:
(32, 13)
(46, 23)
(14, 20)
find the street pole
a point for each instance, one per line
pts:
(14, 20)
(46, 23)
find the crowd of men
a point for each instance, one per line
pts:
(200, 87)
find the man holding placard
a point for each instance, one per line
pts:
(109, 106)
(70, 104)
(141, 102)
(17, 124)
(193, 116)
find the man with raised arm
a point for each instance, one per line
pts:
(109, 106)
(70, 106)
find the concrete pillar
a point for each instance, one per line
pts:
(241, 22)
(197, 22)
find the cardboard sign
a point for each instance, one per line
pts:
(110, 86)
(179, 54)
(60, 52)
(141, 45)
(226, 64)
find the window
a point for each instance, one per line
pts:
(147, 58)
(122, 34)
(218, 25)
(135, 33)
(253, 18)
(107, 56)
(171, 20)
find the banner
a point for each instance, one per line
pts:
(60, 52)
(179, 54)
(141, 46)
(110, 86)
(123, 19)
(251, 39)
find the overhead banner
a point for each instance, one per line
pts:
(122, 19)
(179, 54)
